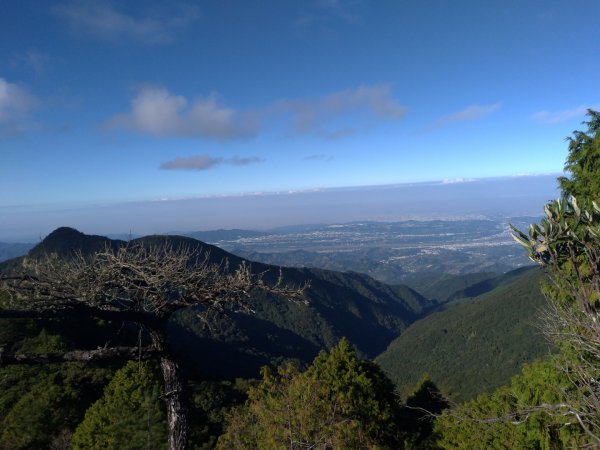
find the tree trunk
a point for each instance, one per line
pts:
(171, 372)
(176, 414)
(173, 394)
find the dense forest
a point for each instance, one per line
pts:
(166, 342)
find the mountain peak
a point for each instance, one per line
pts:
(63, 233)
(66, 240)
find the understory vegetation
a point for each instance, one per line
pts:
(496, 363)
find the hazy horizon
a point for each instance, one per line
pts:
(157, 116)
(446, 199)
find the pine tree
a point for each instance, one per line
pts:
(339, 402)
(583, 162)
(128, 416)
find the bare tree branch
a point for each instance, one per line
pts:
(109, 353)
(140, 283)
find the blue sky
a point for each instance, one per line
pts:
(106, 101)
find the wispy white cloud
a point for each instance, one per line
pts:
(36, 60)
(157, 112)
(318, 157)
(33, 60)
(472, 112)
(338, 133)
(191, 163)
(238, 161)
(103, 19)
(560, 116)
(324, 11)
(457, 180)
(203, 162)
(16, 105)
(321, 116)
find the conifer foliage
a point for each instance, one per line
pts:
(141, 283)
(128, 416)
(566, 243)
(339, 402)
(583, 161)
(553, 403)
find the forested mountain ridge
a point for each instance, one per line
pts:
(226, 345)
(467, 345)
(369, 313)
(473, 345)
(442, 286)
(487, 285)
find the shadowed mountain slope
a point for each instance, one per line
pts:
(369, 313)
(442, 286)
(472, 345)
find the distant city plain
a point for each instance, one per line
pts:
(448, 200)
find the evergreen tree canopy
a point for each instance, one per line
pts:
(128, 416)
(40, 405)
(515, 416)
(419, 412)
(365, 393)
(566, 243)
(583, 162)
(144, 282)
(339, 402)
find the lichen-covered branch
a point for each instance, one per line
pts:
(139, 283)
(100, 354)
